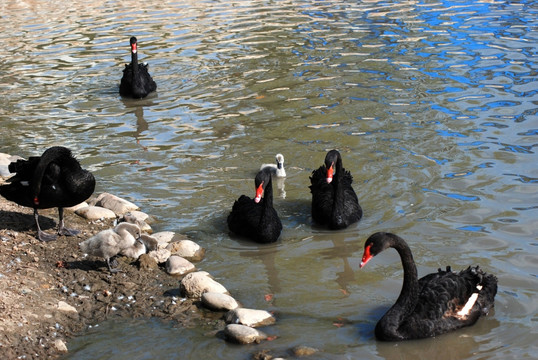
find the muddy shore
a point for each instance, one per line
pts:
(50, 292)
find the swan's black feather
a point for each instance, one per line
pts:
(257, 221)
(334, 204)
(136, 84)
(430, 306)
(54, 179)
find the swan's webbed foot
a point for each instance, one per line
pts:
(67, 232)
(114, 269)
(43, 236)
(62, 230)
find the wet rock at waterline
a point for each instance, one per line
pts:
(242, 334)
(193, 285)
(176, 265)
(187, 249)
(118, 205)
(95, 213)
(164, 238)
(218, 301)
(250, 317)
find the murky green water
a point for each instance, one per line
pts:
(432, 104)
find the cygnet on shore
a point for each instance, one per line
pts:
(111, 242)
(145, 244)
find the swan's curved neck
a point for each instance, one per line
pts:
(408, 298)
(338, 189)
(268, 194)
(134, 59)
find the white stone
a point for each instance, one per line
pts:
(176, 265)
(60, 345)
(243, 334)
(78, 206)
(95, 212)
(163, 238)
(187, 249)
(193, 285)
(118, 205)
(63, 306)
(249, 317)
(160, 255)
(218, 301)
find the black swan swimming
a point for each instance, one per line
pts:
(278, 168)
(435, 304)
(256, 218)
(136, 81)
(54, 179)
(334, 202)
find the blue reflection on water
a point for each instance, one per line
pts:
(453, 195)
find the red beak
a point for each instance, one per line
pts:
(259, 193)
(133, 48)
(366, 256)
(330, 173)
(36, 201)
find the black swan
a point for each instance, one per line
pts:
(54, 179)
(435, 304)
(256, 218)
(136, 81)
(334, 202)
(278, 168)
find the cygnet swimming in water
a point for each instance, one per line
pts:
(145, 244)
(111, 242)
(278, 168)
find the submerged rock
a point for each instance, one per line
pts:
(250, 317)
(193, 285)
(242, 334)
(176, 265)
(218, 301)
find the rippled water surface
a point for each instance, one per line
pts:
(432, 104)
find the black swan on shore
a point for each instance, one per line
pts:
(334, 202)
(435, 304)
(136, 81)
(256, 218)
(54, 179)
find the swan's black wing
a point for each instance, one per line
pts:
(352, 210)
(322, 196)
(139, 86)
(442, 295)
(246, 220)
(17, 188)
